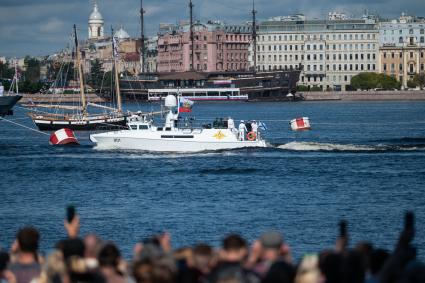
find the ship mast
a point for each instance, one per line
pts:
(16, 76)
(191, 34)
(142, 28)
(117, 82)
(254, 35)
(80, 73)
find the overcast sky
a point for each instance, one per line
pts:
(42, 27)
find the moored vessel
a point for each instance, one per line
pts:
(77, 117)
(9, 99)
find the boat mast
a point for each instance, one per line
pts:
(117, 82)
(16, 76)
(142, 28)
(254, 35)
(80, 73)
(191, 34)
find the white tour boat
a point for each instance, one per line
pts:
(143, 135)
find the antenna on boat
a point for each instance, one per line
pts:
(254, 35)
(80, 73)
(142, 28)
(117, 82)
(191, 34)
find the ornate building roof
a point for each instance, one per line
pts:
(95, 16)
(121, 34)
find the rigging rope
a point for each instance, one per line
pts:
(26, 127)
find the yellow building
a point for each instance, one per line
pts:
(402, 62)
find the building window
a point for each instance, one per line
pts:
(411, 31)
(400, 39)
(422, 39)
(400, 67)
(385, 67)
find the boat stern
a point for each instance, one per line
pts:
(93, 138)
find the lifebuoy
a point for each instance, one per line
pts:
(251, 136)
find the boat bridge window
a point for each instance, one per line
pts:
(168, 129)
(143, 127)
(133, 127)
(159, 129)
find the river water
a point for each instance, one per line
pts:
(362, 161)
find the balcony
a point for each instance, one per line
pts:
(314, 73)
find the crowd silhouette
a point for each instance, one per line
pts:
(268, 259)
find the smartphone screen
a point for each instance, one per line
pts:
(343, 228)
(70, 213)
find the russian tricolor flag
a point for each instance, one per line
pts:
(185, 105)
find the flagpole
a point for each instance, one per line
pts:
(178, 101)
(117, 82)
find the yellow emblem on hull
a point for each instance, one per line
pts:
(219, 135)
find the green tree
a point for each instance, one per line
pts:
(96, 74)
(302, 88)
(315, 88)
(419, 80)
(6, 72)
(411, 84)
(374, 80)
(32, 72)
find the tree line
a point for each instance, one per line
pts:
(58, 73)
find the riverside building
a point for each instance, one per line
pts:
(402, 48)
(329, 52)
(217, 47)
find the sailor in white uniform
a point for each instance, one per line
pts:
(231, 125)
(242, 130)
(254, 127)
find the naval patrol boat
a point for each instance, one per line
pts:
(143, 135)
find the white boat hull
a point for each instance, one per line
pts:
(173, 141)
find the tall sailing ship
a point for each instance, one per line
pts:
(78, 118)
(8, 100)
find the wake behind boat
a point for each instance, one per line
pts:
(143, 135)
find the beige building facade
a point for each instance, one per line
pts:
(329, 52)
(403, 63)
(402, 48)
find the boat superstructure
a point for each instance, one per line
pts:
(8, 100)
(142, 134)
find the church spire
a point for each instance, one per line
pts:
(95, 23)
